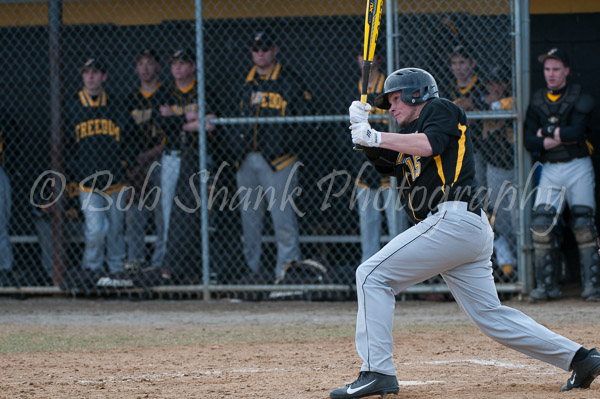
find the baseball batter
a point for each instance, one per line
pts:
(451, 237)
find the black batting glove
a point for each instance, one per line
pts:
(548, 130)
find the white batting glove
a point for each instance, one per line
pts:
(363, 134)
(359, 112)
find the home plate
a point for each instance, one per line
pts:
(412, 383)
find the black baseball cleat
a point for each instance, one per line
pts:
(584, 372)
(368, 383)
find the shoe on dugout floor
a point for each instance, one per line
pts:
(542, 295)
(584, 371)
(368, 383)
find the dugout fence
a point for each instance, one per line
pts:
(46, 44)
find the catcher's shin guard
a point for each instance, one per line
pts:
(585, 233)
(546, 256)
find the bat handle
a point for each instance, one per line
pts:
(366, 72)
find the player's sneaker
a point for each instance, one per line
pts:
(584, 371)
(542, 295)
(368, 383)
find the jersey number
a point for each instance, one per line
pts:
(413, 163)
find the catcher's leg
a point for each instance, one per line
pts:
(546, 257)
(585, 233)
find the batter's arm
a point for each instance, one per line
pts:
(412, 144)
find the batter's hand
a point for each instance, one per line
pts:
(363, 134)
(359, 112)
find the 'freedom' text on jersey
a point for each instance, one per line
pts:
(268, 100)
(94, 127)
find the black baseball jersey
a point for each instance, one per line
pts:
(144, 108)
(96, 129)
(569, 108)
(181, 102)
(447, 175)
(279, 93)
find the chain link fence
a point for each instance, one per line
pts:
(221, 173)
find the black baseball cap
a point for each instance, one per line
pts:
(94, 63)
(462, 51)
(185, 55)
(147, 53)
(555, 53)
(262, 38)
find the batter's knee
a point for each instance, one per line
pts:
(361, 274)
(582, 224)
(542, 224)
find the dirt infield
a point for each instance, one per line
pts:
(64, 348)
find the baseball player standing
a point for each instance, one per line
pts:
(144, 105)
(452, 237)
(556, 129)
(96, 125)
(268, 158)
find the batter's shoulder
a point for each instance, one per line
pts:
(437, 106)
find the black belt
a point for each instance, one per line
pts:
(476, 211)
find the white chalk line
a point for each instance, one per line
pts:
(496, 363)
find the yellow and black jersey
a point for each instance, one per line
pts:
(447, 175)
(571, 109)
(278, 93)
(475, 90)
(181, 102)
(144, 108)
(96, 129)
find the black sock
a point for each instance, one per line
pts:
(580, 355)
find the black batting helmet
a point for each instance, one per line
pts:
(417, 86)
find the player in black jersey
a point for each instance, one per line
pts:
(179, 162)
(267, 156)
(468, 91)
(147, 141)
(434, 161)
(96, 128)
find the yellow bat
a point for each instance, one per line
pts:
(372, 19)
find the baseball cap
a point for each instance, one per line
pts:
(149, 53)
(461, 51)
(95, 63)
(555, 53)
(262, 38)
(184, 55)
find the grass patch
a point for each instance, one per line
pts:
(20, 339)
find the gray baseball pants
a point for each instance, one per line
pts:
(457, 244)
(260, 188)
